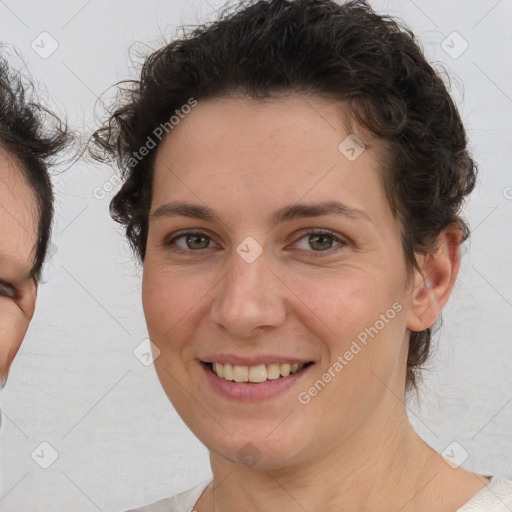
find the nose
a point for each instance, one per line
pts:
(251, 298)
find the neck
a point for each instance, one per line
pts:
(377, 469)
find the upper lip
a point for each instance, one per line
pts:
(236, 360)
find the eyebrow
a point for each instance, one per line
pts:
(284, 214)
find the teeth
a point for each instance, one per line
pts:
(241, 373)
(285, 369)
(273, 371)
(228, 371)
(259, 373)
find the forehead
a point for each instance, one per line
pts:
(267, 152)
(18, 220)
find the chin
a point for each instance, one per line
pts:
(256, 451)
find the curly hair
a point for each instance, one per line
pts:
(348, 52)
(32, 135)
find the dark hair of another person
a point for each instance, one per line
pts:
(31, 141)
(347, 52)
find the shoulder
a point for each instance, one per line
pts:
(496, 496)
(182, 502)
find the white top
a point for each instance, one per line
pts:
(496, 496)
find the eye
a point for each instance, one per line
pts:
(321, 240)
(196, 241)
(193, 241)
(7, 290)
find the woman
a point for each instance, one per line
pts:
(27, 145)
(293, 180)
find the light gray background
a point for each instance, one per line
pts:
(76, 383)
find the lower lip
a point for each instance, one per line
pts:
(247, 391)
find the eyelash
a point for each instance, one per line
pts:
(6, 290)
(310, 231)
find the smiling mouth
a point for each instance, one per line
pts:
(256, 374)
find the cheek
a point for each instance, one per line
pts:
(346, 302)
(359, 321)
(171, 299)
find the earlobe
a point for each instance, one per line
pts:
(433, 285)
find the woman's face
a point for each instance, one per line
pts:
(18, 237)
(252, 287)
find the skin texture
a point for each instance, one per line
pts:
(18, 236)
(351, 447)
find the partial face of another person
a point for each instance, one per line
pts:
(260, 283)
(18, 237)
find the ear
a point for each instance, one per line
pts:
(433, 285)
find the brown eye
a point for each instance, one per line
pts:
(194, 241)
(198, 239)
(321, 241)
